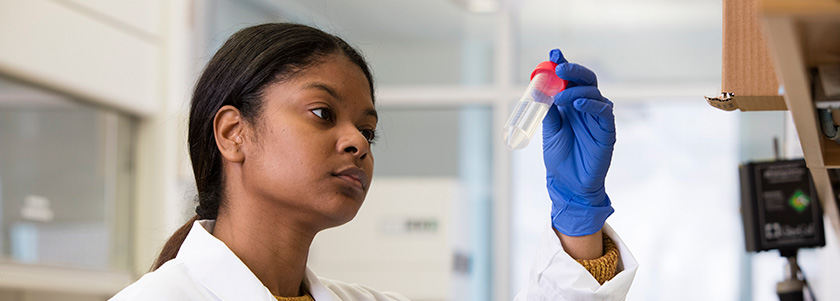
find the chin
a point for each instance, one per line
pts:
(344, 213)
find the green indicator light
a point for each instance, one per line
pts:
(799, 201)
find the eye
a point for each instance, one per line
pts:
(370, 135)
(323, 113)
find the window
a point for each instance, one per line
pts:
(65, 181)
(427, 217)
(674, 185)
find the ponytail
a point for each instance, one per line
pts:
(170, 249)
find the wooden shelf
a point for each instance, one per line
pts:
(801, 35)
(800, 7)
(831, 152)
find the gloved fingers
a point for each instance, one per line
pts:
(569, 95)
(552, 122)
(556, 56)
(557, 130)
(601, 109)
(577, 74)
(600, 121)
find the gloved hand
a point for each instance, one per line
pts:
(578, 140)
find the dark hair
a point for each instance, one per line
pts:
(237, 75)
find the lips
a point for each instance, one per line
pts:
(354, 175)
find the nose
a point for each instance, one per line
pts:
(354, 143)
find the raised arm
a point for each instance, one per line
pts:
(578, 139)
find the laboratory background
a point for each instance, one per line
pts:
(95, 176)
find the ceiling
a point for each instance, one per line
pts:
(380, 19)
(628, 41)
(653, 41)
(449, 19)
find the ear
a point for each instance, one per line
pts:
(228, 128)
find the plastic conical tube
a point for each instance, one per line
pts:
(532, 107)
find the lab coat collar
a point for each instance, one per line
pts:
(316, 288)
(224, 274)
(215, 266)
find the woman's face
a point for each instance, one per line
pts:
(312, 144)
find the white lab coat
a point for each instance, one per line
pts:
(205, 269)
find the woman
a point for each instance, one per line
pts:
(281, 125)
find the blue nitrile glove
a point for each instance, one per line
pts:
(578, 140)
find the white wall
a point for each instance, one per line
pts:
(399, 241)
(86, 50)
(132, 56)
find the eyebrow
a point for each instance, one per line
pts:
(326, 88)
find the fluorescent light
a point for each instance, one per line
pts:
(479, 6)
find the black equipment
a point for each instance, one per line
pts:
(780, 210)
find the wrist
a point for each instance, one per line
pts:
(575, 219)
(585, 247)
(559, 192)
